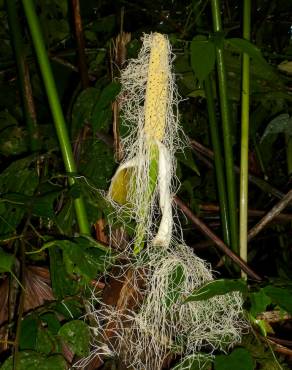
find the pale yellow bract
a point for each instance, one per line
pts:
(157, 88)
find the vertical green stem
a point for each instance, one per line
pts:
(225, 117)
(219, 167)
(23, 73)
(243, 203)
(55, 106)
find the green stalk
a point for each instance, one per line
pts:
(23, 73)
(55, 107)
(226, 123)
(219, 168)
(243, 202)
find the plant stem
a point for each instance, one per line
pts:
(245, 92)
(218, 161)
(23, 73)
(55, 106)
(80, 44)
(225, 116)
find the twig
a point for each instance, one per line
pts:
(214, 208)
(279, 348)
(69, 65)
(283, 342)
(80, 43)
(217, 241)
(260, 183)
(275, 211)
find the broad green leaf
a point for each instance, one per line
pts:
(188, 160)
(176, 279)
(28, 333)
(217, 287)
(43, 205)
(102, 110)
(84, 262)
(17, 180)
(81, 255)
(30, 360)
(57, 29)
(247, 47)
(81, 113)
(281, 124)
(239, 359)
(69, 308)
(280, 296)
(6, 261)
(194, 362)
(62, 284)
(77, 335)
(244, 46)
(51, 321)
(97, 163)
(259, 302)
(46, 342)
(202, 57)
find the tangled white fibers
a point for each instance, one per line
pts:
(163, 270)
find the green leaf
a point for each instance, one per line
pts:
(239, 359)
(28, 333)
(62, 284)
(244, 46)
(217, 287)
(77, 335)
(188, 160)
(52, 322)
(46, 342)
(259, 302)
(102, 111)
(81, 255)
(281, 124)
(43, 205)
(6, 261)
(81, 113)
(202, 57)
(176, 279)
(69, 308)
(29, 360)
(17, 180)
(194, 362)
(97, 163)
(247, 47)
(280, 296)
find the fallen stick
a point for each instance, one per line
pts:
(275, 211)
(217, 241)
